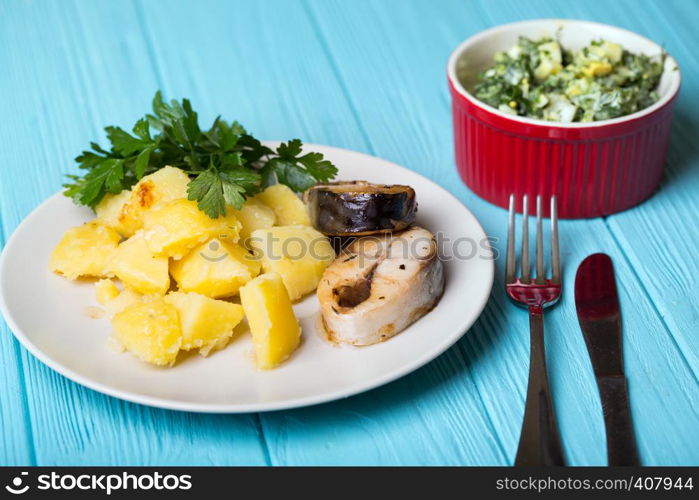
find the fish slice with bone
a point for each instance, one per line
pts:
(379, 285)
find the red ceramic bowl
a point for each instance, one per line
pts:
(595, 169)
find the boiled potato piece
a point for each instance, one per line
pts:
(138, 268)
(287, 206)
(174, 229)
(299, 254)
(152, 191)
(613, 50)
(109, 212)
(113, 299)
(254, 215)
(150, 329)
(597, 68)
(275, 331)
(84, 251)
(206, 323)
(105, 291)
(218, 268)
(125, 298)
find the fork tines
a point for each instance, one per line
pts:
(511, 262)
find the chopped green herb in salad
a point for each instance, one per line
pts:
(540, 79)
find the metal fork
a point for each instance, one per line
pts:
(539, 442)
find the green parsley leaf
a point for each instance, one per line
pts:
(214, 189)
(141, 163)
(226, 163)
(289, 173)
(123, 142)
(207, 189)
(142, 129)
(233, 194)
(290, 149)
(300, 172)
(104, 177)
(320, 169)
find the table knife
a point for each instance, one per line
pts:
(599, 315)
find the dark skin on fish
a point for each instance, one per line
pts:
(360, 208)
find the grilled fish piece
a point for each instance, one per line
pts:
(379, 285)
(360, 208)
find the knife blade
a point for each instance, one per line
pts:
(599, 314)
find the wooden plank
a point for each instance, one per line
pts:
(70, 68)
(288, 89)
(368, 76)
(660, 237)
(16, 443)
(397, 76)
(243, 60)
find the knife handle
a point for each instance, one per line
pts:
(539, 442)
(621, 442)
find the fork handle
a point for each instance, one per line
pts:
(539, 442)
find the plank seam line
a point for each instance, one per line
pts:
(25, 402)
(464, 355)
(263, 439)
(345, 91)
(31, 446)
(649, 297)
(141, 16)
(315, 25)
(485, 14)
(662, 15)
(646, 292)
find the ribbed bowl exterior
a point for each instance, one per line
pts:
(593, 171)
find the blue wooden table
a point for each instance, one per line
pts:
(369, 76)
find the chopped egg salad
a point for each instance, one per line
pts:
(540, 79)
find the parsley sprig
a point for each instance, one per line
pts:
(226, 163)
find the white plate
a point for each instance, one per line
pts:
(47, 314)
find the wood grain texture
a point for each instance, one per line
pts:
(663, 231)
(322, 95)
(71, 68)
(366, 75)
(423, 143)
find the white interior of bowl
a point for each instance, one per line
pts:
(476, 54)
